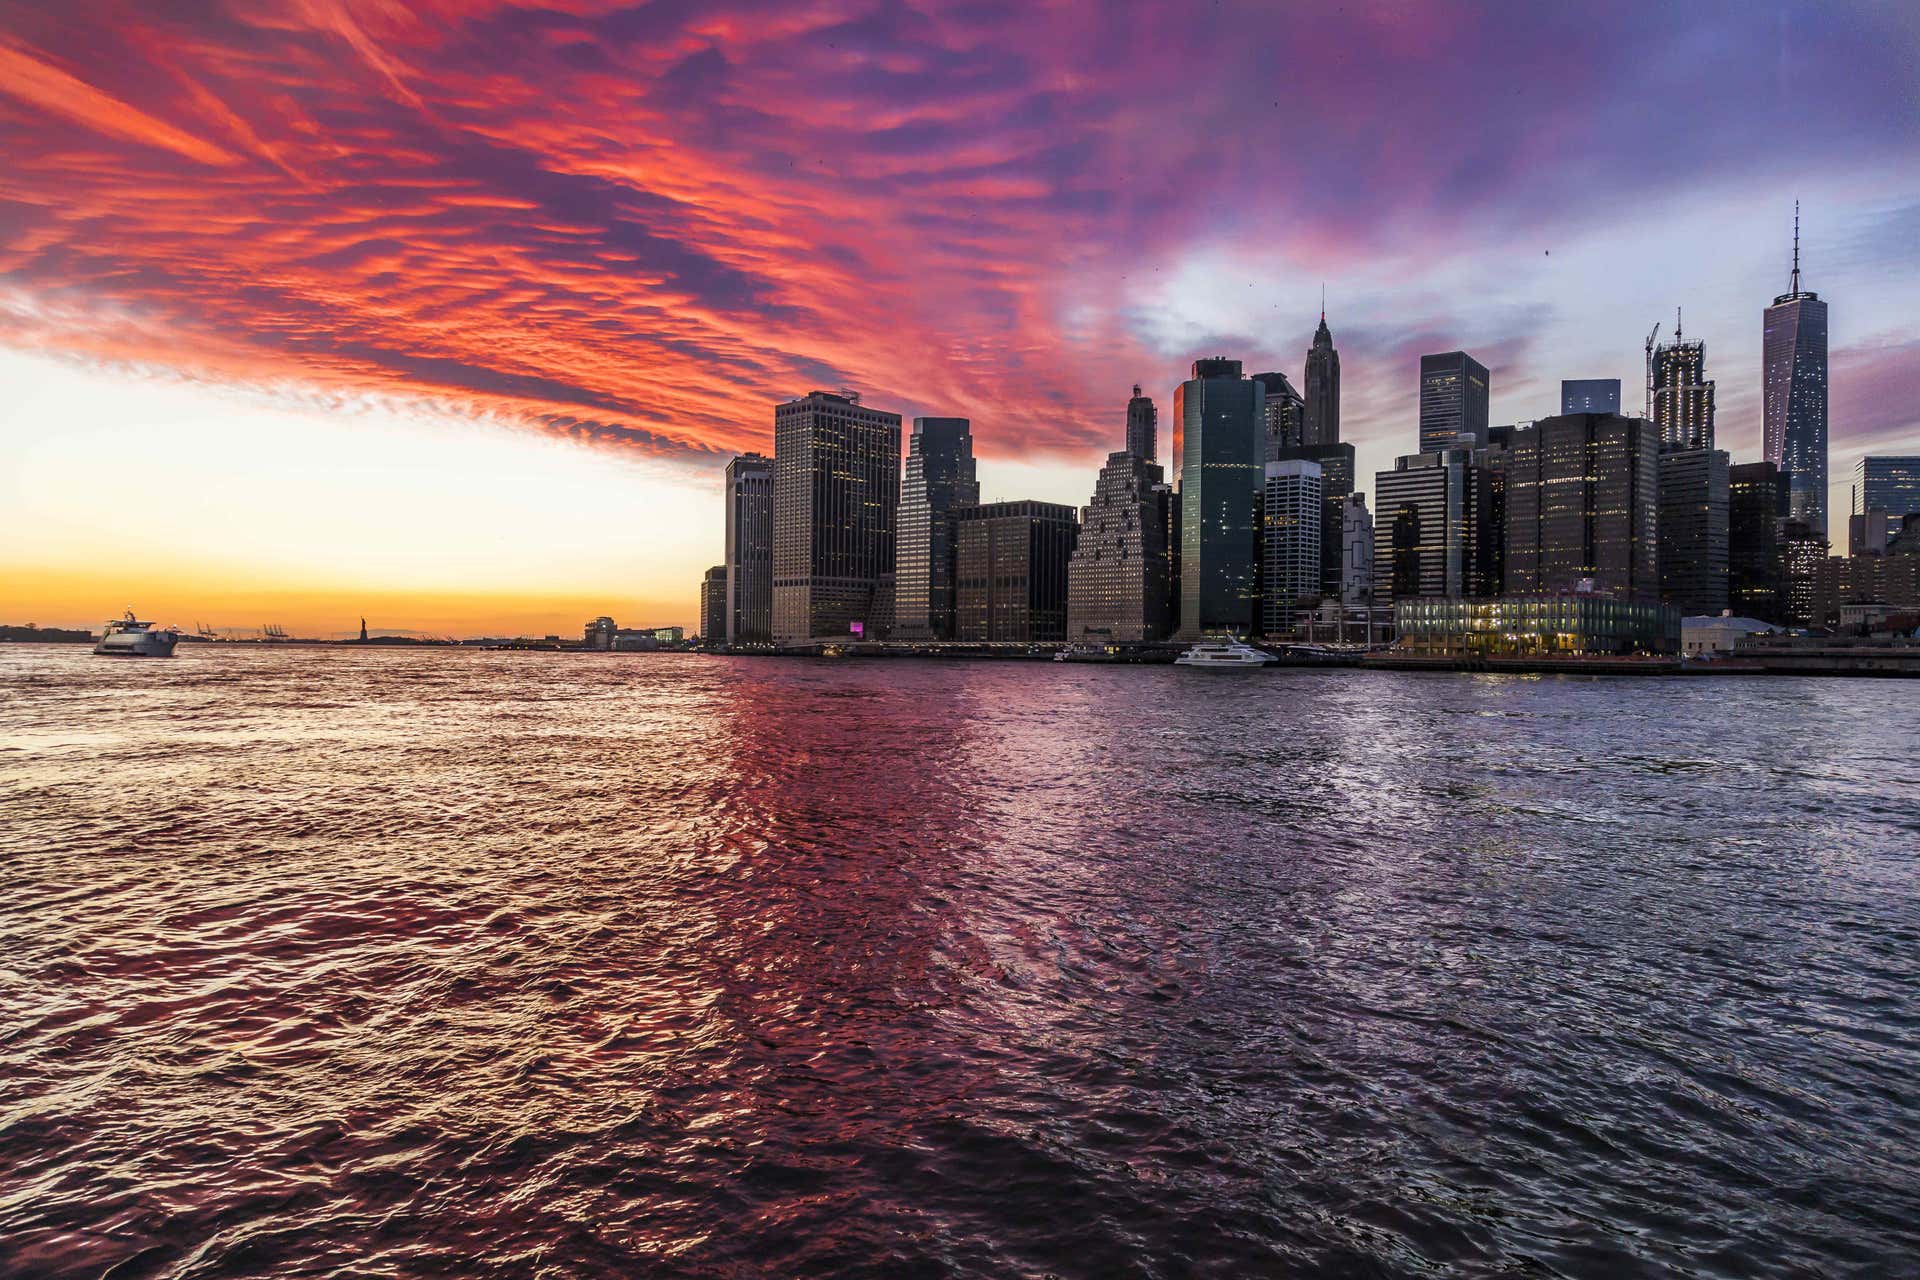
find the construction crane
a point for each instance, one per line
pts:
(1646, 406)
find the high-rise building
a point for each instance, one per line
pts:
(713, 604)
(1868, 532)
(1682, 394)
(1590, 395)
(1794, 393)
(1143, 421)
(1286, 415)
(1323, 388)
(1583, 506)
(749, 554)
(1419, 528)
(1336, 464)
(1756, 506)
(836, 491)
(1803, 549)
(1221, 418)
(1454, 397)
(1356, 552)
(1012, 564)
(1118, 580)
(1693, 530)
(1890, 483)
(938, 479)
(1290, 544)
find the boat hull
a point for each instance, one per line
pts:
(155, 644)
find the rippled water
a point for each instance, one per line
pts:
(379, 963)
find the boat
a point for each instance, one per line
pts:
(1223, 655)
(129, 637)
(1087, 651)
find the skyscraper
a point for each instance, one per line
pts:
(1693, 529)
(1889, 483)
(1143, 421)
(1290, 543)
(1323, 388)
(1286, 415)
(939, 477)
(1590, 395)
(1221, 418)
(1682, 395)
(1420, 525)
(1583, 503)
(1011, 562)
(1756, 504)
(836, 491)
(1356, 551)
(713, 604)
(1794, 393)
(1336, 462)
(1802, 549)
(1454, 395)
(1117, 582)
(749, 553)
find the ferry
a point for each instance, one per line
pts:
(128, 637)
(1223, 655)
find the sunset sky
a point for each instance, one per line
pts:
(451, 313)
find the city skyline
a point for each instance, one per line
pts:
(504, 402)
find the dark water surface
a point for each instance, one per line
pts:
(324, 963)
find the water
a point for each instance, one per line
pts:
(387, 963)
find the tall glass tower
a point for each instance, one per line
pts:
(1221, 417)
(1794, 393)
(939, 480)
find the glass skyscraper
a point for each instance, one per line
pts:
(1889, 483)
(1454, 395)
(1590, 395)
(1582, 504)
(1794, 394)
(1221, 417)
(939, 478)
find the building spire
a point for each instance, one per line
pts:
(1323, 302)
(1795, 286)
(1676, 326)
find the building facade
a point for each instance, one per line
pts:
(1439, 525)
(1119, 579)
(1890, 483)
(713, 604)
(1756, 507)
(1221, 417)
(1803, 551)
(749, 552)
(1143, 427)
(937, 480)
(1694, 530)
(1322, 389)
(1682, 394)
(1582, 506)
(836, 493)
(1013, 560)
(1336, 463)
(1794, 394)
(1356, 552)
(1590, 395)
(1553, 624)
(1454, 397)
(1291, 517)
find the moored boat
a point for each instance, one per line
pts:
(1223, 655)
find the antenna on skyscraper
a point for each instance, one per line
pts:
(1676, 326)
(1795, 287)
(1323, 302)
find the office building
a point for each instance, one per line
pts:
(1439, 524)
(1454, 396)
(1221, 418)
(1118, 581)
(1794, 394)
(1552, 624)
(1143, 427)
(713, 604)
(1356, 552)
(1803, 549)
(1290, 544)
(1336, 462)
(749, 552)
(1323, 389)
(1890, 483)
(1286, 415)
(938, 479)
(1582, 506)
(836, 491)
(1590, 395)
(1756, 506)
(1012, 567)
(1693, 530)
(1682, 395)
(1868, 532)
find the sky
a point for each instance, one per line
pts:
(450, 314)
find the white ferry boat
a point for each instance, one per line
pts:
(1223, 655)
(128, 637)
